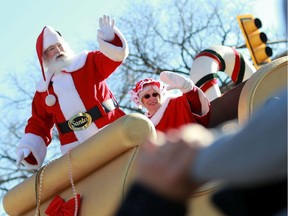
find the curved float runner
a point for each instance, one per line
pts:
(210, 61)
(102, 167)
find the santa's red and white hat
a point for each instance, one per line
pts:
(140, 88)
(47, 37)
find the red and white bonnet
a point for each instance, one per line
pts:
(137, 92)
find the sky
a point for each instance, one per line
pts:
(22, 21)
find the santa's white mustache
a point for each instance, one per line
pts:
(60, 55)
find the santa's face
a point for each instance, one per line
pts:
(151, 100)
(53, 52)
(56, 58)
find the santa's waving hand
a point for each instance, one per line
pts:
(106, 33)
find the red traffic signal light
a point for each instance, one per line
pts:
(254, 39)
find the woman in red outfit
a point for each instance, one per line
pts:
(167, 112)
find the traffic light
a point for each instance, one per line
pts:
(255, 40)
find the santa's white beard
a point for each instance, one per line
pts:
(55, 65)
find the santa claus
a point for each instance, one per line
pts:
(72, 94)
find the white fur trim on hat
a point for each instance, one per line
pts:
(37, 146)
(51, 37)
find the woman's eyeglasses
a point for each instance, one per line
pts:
(147, 96)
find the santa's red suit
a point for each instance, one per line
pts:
(79, 89)
(191, 107)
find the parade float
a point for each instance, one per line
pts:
(94, 176)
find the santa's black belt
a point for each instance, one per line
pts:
(82, 120)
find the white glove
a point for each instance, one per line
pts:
(21, 154)
(106, 31)
(176, 81)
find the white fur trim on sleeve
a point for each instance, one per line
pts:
(205, 107)
(37, 146)
(160, 112)
(113, 52)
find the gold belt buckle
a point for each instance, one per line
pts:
(80, 121)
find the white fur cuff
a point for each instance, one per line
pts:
(113, 52)
(37, 146)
